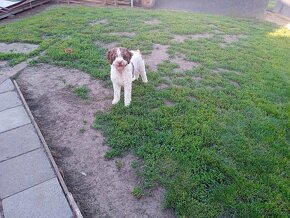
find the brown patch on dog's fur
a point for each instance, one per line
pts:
(111, 55)
(126, 54)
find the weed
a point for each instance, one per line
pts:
(82, 130)
(119, 164)
(69, 86)
(137, 192)
(134, 164)
(82, 92)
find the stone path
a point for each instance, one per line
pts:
(29, 186)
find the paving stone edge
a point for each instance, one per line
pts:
(1, 209)
(68, 195)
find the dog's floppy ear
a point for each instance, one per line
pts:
(126, 54)
(111, 55)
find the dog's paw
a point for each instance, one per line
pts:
(135, 78)
(115, 101)
(127, 104)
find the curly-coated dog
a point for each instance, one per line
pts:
(126, 66)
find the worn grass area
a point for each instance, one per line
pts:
(221, 147)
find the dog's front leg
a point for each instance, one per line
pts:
(117, 93)
(127, 93)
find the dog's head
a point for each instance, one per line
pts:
(119, 58)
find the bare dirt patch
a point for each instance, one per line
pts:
(99, 22)
(182, 38)
(224, 71)
(235, 84)
(193, 98)
(17, 48)
(152, 22)
(167, 78)
(106, 45)
(277, 19)
(197, 79)
(184, 64)
(232, 38)
(229, 39)
(4, 68)
(126, 34)
(155, 31)
(162, 86)
(157, 56)
(3, 64)
(169, 103)
(7, 71)
(98, 186)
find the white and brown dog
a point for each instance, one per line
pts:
(126, 66)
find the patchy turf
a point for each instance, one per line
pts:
(82, 92)
(215, 136)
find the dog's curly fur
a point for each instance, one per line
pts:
(126, 66)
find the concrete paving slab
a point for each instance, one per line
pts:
(17, 47)
(13, 118)
(24, 171)
(10, 72)
(18, 141)
(45, 200)
(9, 100)
(6, 86)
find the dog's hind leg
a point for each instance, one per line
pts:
(142, 71)
(136, 76)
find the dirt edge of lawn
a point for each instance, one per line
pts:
(102, 188)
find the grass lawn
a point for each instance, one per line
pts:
(221, 148)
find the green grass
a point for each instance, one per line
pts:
(82, 92)
(119, 164)
(220, 150)
(137, 192)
